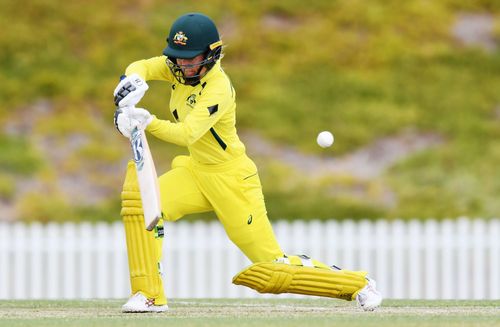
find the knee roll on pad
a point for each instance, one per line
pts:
(131, 196)
(143, 247)
(281, 277)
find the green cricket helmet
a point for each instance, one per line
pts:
(191, 35)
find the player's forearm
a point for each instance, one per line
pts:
(139, 68)
(169, 132)
(150, 69)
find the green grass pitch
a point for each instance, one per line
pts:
(252, 312)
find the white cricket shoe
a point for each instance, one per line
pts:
(140, 303)
(369, 298)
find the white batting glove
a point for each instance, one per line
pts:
(141, 117)
(123, 123)
(126, 119)
(130, 91)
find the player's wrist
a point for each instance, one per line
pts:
(153, 123)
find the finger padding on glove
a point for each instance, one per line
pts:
(130, 91)
(126, 119)
(123, 122)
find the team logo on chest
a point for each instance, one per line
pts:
(191, 100)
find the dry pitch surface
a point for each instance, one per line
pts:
(252, 312)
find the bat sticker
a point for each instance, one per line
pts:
(137, 149)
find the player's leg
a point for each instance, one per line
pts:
(302, 275)
(179, 196)
(179, 192)
(236, 195)
(144, 251)
(244, 217)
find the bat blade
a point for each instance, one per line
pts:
(147, 177)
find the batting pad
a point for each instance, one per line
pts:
(144, 248)
(274, 277)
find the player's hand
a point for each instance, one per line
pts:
(128, 118)
(123, 123)
(141, 117)
(130, 91)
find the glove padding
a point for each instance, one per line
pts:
(126, 119)
(130, 91)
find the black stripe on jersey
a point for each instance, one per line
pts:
(213, 109)
(202, 87)
(176, 116)
(218, 139)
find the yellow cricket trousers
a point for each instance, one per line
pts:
(233, 191)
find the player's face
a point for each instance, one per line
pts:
(190, 66)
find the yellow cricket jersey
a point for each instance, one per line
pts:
(204, 114)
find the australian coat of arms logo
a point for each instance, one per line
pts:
(180, 38)
(191, 100)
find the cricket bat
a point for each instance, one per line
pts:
(148, 179)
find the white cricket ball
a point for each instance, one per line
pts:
(325, 139)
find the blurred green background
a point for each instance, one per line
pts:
(410, 89)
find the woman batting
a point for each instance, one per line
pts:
(216, 176)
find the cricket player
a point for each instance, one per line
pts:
(216, 176)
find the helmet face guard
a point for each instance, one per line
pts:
(208, 62)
